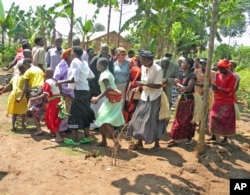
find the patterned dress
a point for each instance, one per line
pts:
(222, 115)
(182, 127)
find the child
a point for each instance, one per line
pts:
(16, 108)
(52, 93)
(109, 114)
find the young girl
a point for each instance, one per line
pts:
(52, 93)
(109, 114)
(16, 108)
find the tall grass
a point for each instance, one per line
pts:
(243, 93)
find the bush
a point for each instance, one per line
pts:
(243, 93)
(9, 53)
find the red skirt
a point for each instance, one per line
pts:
(182, 127)
(51, 116)
(222, 119)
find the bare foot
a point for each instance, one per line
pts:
(56, 140)
(13, 129)
(103, 144)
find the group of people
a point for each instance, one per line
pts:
(73, 87)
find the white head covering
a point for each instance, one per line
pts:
(181, 58)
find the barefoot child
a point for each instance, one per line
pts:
(109, 114)
(52, 93)
(16, 108)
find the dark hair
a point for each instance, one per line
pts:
(21, 68)
(103, 61)
(233, 63)
(38, 39)
(25, 45)
(189, 61)
(89, 49)
(27, 61)
(131, 51)
(77, 50)
(58, 39)
(76, 41)
(168, 55)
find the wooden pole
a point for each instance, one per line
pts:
(200, 148)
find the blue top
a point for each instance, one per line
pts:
(121, 72)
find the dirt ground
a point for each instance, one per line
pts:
(34, 165)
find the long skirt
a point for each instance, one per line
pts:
(145, 124)
(81, 115)
(182, 127)
(122, 88)
(64, 122)
(51, 116)
(95, 108)
(222, 119)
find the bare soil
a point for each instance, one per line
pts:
(34, 165)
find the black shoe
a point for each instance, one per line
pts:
(212, 138)
(224, 141)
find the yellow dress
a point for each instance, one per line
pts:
(14, 107)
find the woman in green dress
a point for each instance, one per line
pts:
(109, 114)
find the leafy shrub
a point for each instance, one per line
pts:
(9, 53)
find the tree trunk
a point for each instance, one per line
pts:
(120, 22)
(52, 41)
(2, 43)
(109, 16)
(71, 24)
(201, 141)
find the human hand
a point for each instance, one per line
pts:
(176, 81)
(215, 87)
(94, 100)
(18, 99)
(58, 83)
(136, 89)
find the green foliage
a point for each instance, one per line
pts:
(9, 53)
(98, 27)
(244, 90)
(223, 51)
(242, 56)
(132, 39)
(2, 17)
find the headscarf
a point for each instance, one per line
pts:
(146, 55)
(66, 53)
(181, 58)
(223, 64)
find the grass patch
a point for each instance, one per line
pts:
(71, 150)
(5, 100)
(244, 89)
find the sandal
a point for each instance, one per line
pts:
(189, 141)
(86, 140)
(71, 142)
(171, 144)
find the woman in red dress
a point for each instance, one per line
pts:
(222, 115)
(132, 99)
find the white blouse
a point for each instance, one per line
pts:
(151, 75)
